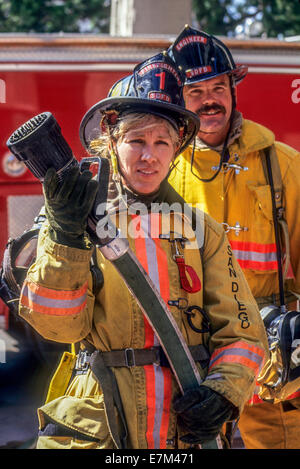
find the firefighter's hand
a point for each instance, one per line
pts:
(68, 204)
(201, 414)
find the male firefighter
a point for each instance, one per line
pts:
(223, 173)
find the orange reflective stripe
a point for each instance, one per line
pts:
(164, 287)
(150, 399)
(162, 263)
(56, 294)
(263, 266)
(240, 352)
(46, 301)
(253, 247)
(140, 249)
(256, 256)
(167, 406)
(158, 379)
(51, 311)
(238, 359)
(241, 344)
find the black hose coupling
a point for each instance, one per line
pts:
(39, 144)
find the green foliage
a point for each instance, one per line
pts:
(52, 16)
(221, 17)
(211, 16)
(281, 17)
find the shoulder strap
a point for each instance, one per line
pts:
(278, 199)
(273, 176)
(277, 179)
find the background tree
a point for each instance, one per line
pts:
(269, 18)
(50, 16)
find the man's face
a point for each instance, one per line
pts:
(211, 100)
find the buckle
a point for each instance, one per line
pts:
(180, 303)
(162, 358)
(157, 353)
(227, 166)
(83, 361)
(237, 228)
(129, 357)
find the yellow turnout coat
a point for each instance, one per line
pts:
(57, 300)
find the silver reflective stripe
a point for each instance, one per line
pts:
(255, 256)
(52, 303)
(241, 353)
(158, 373)
(150, 250)
(159, 404)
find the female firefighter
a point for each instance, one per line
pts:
(137, 402)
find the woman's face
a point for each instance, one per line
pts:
(144, 156)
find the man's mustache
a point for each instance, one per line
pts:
(211, 107)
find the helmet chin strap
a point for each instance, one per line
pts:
(224, 149)
(116, 173)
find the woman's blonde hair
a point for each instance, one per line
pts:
(127, 123)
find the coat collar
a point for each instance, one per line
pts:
(247, 136)
(254, 137)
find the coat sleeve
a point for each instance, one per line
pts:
(56, 298)
(289, 160)
(238, 342)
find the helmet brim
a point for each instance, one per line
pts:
(90, 125)
(239, 73)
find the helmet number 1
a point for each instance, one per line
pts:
(162, 76)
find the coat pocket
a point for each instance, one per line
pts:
(257, 252)
(262, 210)
(78, 415)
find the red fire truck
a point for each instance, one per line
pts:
(66, 74)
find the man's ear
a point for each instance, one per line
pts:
(184, 92)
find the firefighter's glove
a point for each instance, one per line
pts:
(68, 204)
(201, 414)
